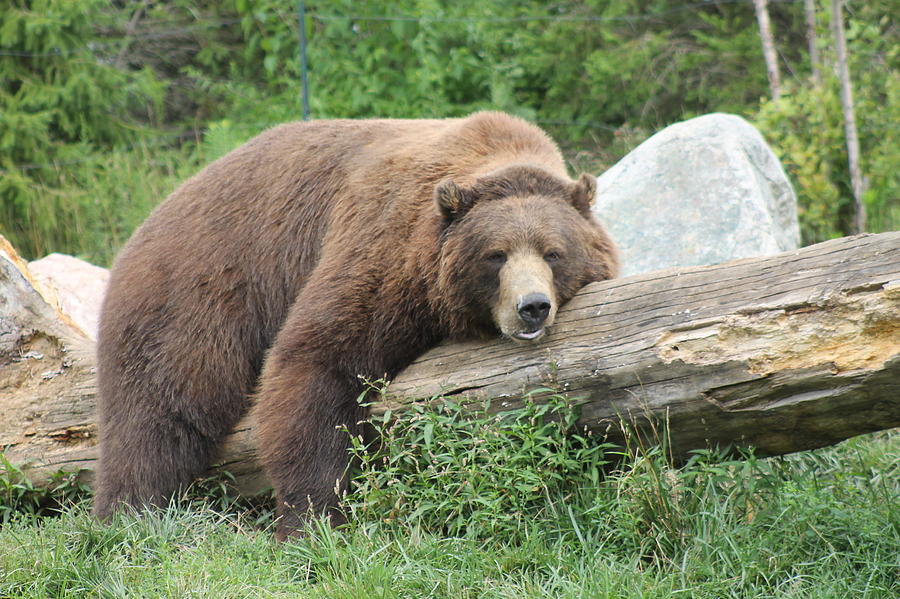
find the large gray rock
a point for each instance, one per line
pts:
(703, 191)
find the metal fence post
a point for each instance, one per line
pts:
(301, 19)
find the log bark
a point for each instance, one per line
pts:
(783, 353)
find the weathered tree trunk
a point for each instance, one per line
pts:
(843, 68)
(768, 47)
(784, 353)
(809, 9)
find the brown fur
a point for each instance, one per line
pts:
(315, 254)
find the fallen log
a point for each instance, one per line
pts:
(783, 353)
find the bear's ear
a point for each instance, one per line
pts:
(452, 200)
(582, 193)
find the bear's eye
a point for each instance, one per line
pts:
(497, 257)
(552, 256)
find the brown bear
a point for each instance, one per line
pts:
(318, 254)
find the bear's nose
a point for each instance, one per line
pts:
(534, 308)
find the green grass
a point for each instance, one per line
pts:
(456, 505)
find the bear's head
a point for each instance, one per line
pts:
(515, 245)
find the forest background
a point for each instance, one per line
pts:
(106, 106)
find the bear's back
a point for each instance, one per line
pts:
(246, 231)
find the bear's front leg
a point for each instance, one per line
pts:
(304, 412)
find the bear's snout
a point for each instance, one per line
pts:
(534, 308)
(527, 300)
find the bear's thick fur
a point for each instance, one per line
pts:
(314, 255)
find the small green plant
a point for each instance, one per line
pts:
(217, 492)
(19, 496)
(480, 472)
(662, 511)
